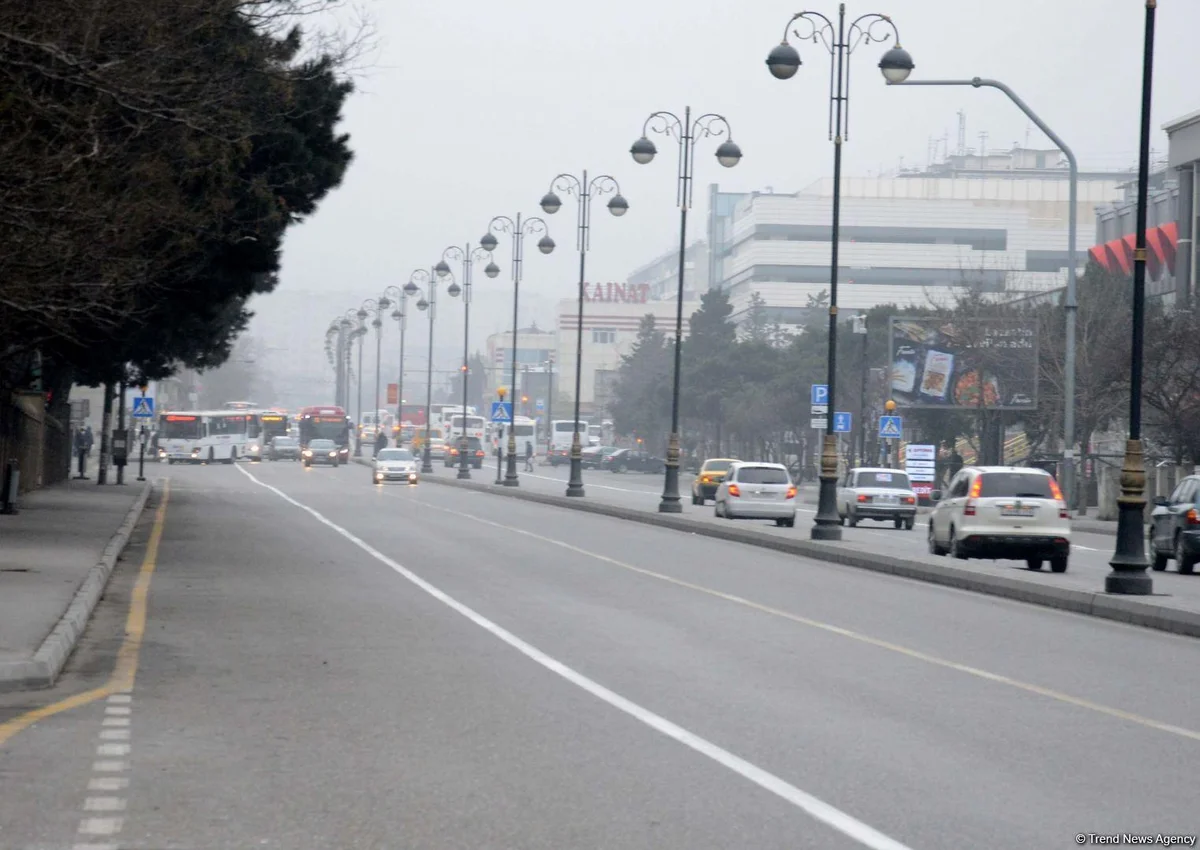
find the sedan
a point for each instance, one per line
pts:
(879, 494)
(593, 455)
(323, 452)
(475, 453)
(631, 460)
(394, 465)
(757, 491)
(283, 448)
(1175, 527)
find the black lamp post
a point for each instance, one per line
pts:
(519, 229)
(584, 191)
(400, 314)
(685, 132)
(430, 304)
(783, 61)
(467, 257)
(364, 311)
(1129, 561)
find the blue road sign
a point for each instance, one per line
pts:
(841, 422)
(889, 427)
(540, 404)
(502, 411)
(143, 407)
(820, 394)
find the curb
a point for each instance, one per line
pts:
(43, 669)
(1094, 604)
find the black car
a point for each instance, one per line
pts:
(475, 453)
(283, 448)
(322, 452)
(1175, 527)
(592, 455)
(631, 460)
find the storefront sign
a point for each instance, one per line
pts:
(616, 293)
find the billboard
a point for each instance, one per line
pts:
(964, 364)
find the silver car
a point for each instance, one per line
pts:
(757, 491)
(877, 493)
(394, 465)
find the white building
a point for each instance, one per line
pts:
(612, 314)
(996, 224)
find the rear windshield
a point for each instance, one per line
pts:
(761, 475)
(717, 465)
(1016, 485)
(394, 454)
(284, 442)
(886, 480)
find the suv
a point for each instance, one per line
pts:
(1002, 512)
(475, 452)
(1175, 527)
(877, 493)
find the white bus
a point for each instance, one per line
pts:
(561, 434)
(372, 420)
(204, 436)
(523, 430)
(476, 427)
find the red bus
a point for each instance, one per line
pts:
(325, 423)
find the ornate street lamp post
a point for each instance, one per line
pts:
(430, 280)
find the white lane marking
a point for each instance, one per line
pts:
(113, 750)
(117, 709)
(109, 766)
(104, 804)
(120, 698)
(587, 484)
(814, 807)
(90, 846)
(115, 721)
(108, 783)
(114, 734)
(100, 826)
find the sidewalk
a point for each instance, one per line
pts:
(56, 555)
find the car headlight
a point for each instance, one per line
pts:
(307, 453)
(254, 448)
(333, 454)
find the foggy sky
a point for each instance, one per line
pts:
(467, 110)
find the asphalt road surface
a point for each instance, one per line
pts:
(1090, 552)
(327, 663)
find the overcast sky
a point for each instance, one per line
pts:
(467, 109)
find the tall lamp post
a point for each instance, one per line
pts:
(364, 311)
(1071, 306)
(467, 257)
(584, 191)
(519, 229)
(1129, 562)
(396, 295)
(686, 133)
(430, 280)
(783, 61)
(860, 328)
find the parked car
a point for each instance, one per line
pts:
(1175, 527)
(708, 479)
(1002, 512)
(394, 465)
(757, 491)
(592, 455)
(283, 448)
(321, 452)
(475, 453)
(631, 460)
(879, 494)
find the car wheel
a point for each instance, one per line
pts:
(955, 549)
(898, 523)
(716, 508)
(1033, 563)
(779, 523)
(852, 520)
(622, 468)
(1158, 561)
(1186, 563)
(934, 548)
(1058, 564)
(790, 523)
(910, 523)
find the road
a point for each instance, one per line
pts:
(330, 664)
(1089, 556)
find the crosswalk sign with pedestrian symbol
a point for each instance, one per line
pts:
(889, 427)
(143, 407)
(502, 411)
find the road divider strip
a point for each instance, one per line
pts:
(1092, 603)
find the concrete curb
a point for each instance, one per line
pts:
(1094, 604)
(42, 670)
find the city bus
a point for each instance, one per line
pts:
(561, 434)
(326, 423)
(523, 429)
(262, 427)
(203, 436)
(476, 426)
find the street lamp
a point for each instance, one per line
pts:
(1071, 304)
(423, 303)
(467, 257)
(685, 132)
(519, 229)
(783, 63)
(368, 306)
(860, 328)
(398, 296)
(1129, 562)
(584, 191)
(500, 391)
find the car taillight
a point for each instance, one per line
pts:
(791, 493)
(1192, 517)
(734, 491)
(976, 489)
(863, 498)
(704, 479)
(909, 500)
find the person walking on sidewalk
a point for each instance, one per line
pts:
(82, 449)
(529, 456)
(381, 442)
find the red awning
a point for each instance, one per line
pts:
(1161, 244)
(1097, 253)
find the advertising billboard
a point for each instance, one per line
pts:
(964, 364)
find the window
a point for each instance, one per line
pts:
(885, 480)
(1016, 485)
(394, 454)
(604, 336)
(762, 475)
(958, 488)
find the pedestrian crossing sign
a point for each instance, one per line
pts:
(889, 427)
(143, 407)
(502, 411)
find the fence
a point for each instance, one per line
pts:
(40, 444)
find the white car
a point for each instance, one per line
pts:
(394, 465)
(877, 493)
(1002, 512)
(757, 491)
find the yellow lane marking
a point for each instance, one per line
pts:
(125, 670)
(997, 678)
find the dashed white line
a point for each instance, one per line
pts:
(114, 734)
(100, 826)
(109, 766)
(107, 781)
(113, 750)
(115, 721)
(816, 808)
(104, 804)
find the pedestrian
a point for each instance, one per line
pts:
(381, 442)
(91, 439)
(528, 456)
(82, 447)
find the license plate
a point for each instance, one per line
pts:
(1011, 511)
(887, 500)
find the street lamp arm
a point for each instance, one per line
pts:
(857, 33)
(711, 124)
(568, 183)
(501, 224)
(815, 31)
(604, 184)
(664, 123)
(530, 226)
(454, 253)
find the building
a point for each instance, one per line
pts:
(996, 223)
(661, 275)
(1170, 219)
(612, 314)
(534, 351)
